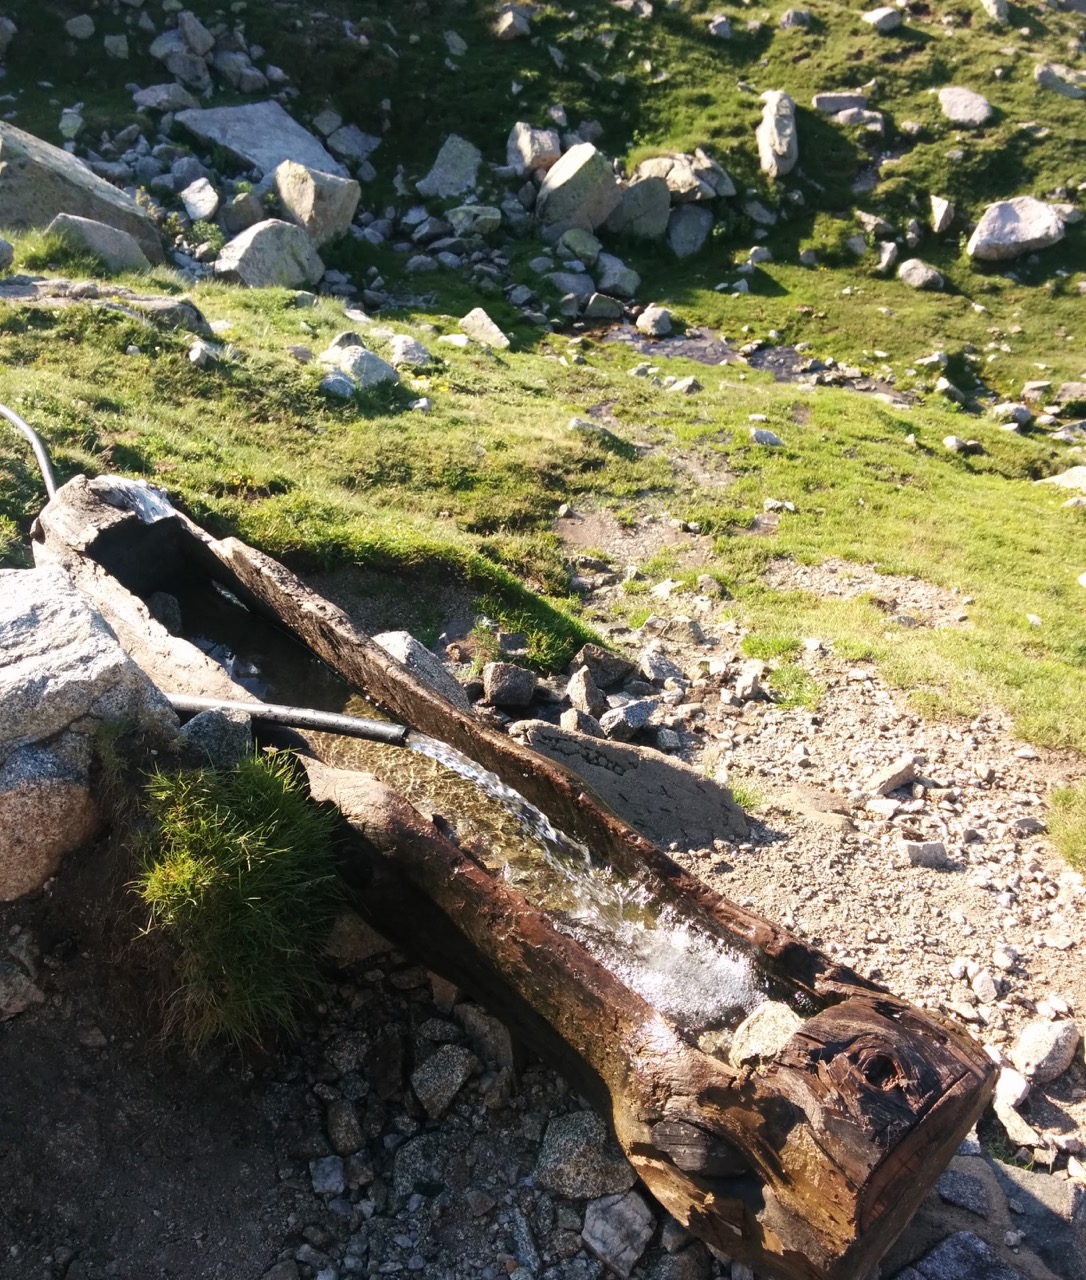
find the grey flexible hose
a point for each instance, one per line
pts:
(298, 718)
(40, 453)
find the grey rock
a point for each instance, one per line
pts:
(926, 853)
(942, 215)
(996, 10)
(241, 213)
(528, 149)
(80, 27)
(584, 695)
(455, 170)
(1060, 79)
(621, 723)
(41, 181)
(350, 143)
(200, 199)
(326, 1174)
(1011, 228)
(654, 322)
(832, 102)
(795, 19)
(606, 668)
(507, 685)
(270, 254)
(888, 256)
(117, 250)
(965, 1256)
(362, 366)
(963, 1190)
(406, 352)
(763, 1033)
(578, 283)
(1044, 1050)
(338, 385)
(614, 277)
(260, 135)
(475, 219)
(7, 254)
(427, 666)
(964, 107)
(580, 190)
(488, 1036)
(479, 326)
(643, 210)
(720, 27)
(884, 19)
(763, 436)
(116, 46)
(17, 992)
(616, 1230)
(919, 275)
(690, 1263)
(164, 97)
(778, 143)
(602, 307)
(441, 1077)
(220, 738)
(688, 228)
(580, 1160)
(665, 799)
(323, 204)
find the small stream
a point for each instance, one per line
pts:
(678, 964)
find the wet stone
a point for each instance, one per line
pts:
(963, 1190)
(580, 1160)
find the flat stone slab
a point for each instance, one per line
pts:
(664, 799)
(261, 135)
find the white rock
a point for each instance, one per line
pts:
(763, 1033)
(654, 321)
(1044, 1050)
(271, 253)
(1012, 1088)
(261, 135)
(964, 107)
(778, 143)
(996, 10)
(720, 26)
(942, 214)
(528, 149)
(579, 190)
(884, 20)
(1010, 228)
(479, 326)
(408, 352)
(919, 275)
(200, 199)
(454, 172)
(835, 101)
(323, 204)
(81, 27)
(117, 249)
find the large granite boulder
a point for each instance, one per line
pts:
(273, 253)
(260, 135)
(643, 210)
(688, 228)
(38, 181)
(62, 677)
(116, 249)
(1010, 228)
(579, 191)
(528, 149)
(322, 203)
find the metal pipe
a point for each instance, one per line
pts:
(44, 465)
(299, 718)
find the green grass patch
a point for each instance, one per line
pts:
(238, 876)
(794, 687)
(1067, 823)
(770, 644)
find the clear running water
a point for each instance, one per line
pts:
(679, 963)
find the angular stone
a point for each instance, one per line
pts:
(834, 101)
(474, 219)
(778, 143)
(580, 190)
(606, 668)
(621, 723)
(479, 326)
(260, 135)
(584, 695)
(364, 367)
(507, 685)
(614, 277)
(219, 738)
(617, 1229)
(964, 107)
(996, 11)
(326, 1174)
(528, 149)
(117, 249)
(963, 1190)
(763, 1033)
(163, 97)
(441, 1077)
(455, 170)
(580, 1160)
(1010, 228)
(942, 215)
(643, 210)
(17, 992)
(270, 254)
(654, 322)
(665, 799)
(965, 1256)
(925, 853)
(891, 777)
(1060, 79)
(406, 352)
(688, 228)
(350, 143)
(322, 203)
(919, 275)
(884, 19)
(1044, 1050)
(40, 181)
(427, 666)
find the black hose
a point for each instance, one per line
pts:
(44, 465)
(299, 718)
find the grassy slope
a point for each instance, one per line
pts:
(252, 447)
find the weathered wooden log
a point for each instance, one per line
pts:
(807, 1162)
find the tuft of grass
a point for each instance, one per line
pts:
(238, 875)
(748, 797)
(770, 644)
(50, 251)
(1067, 823)
(795, 687)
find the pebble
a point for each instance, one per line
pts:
(1044, 1050)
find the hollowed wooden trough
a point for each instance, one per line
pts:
(806, 1165)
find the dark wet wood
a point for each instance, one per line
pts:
(806, 1167)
